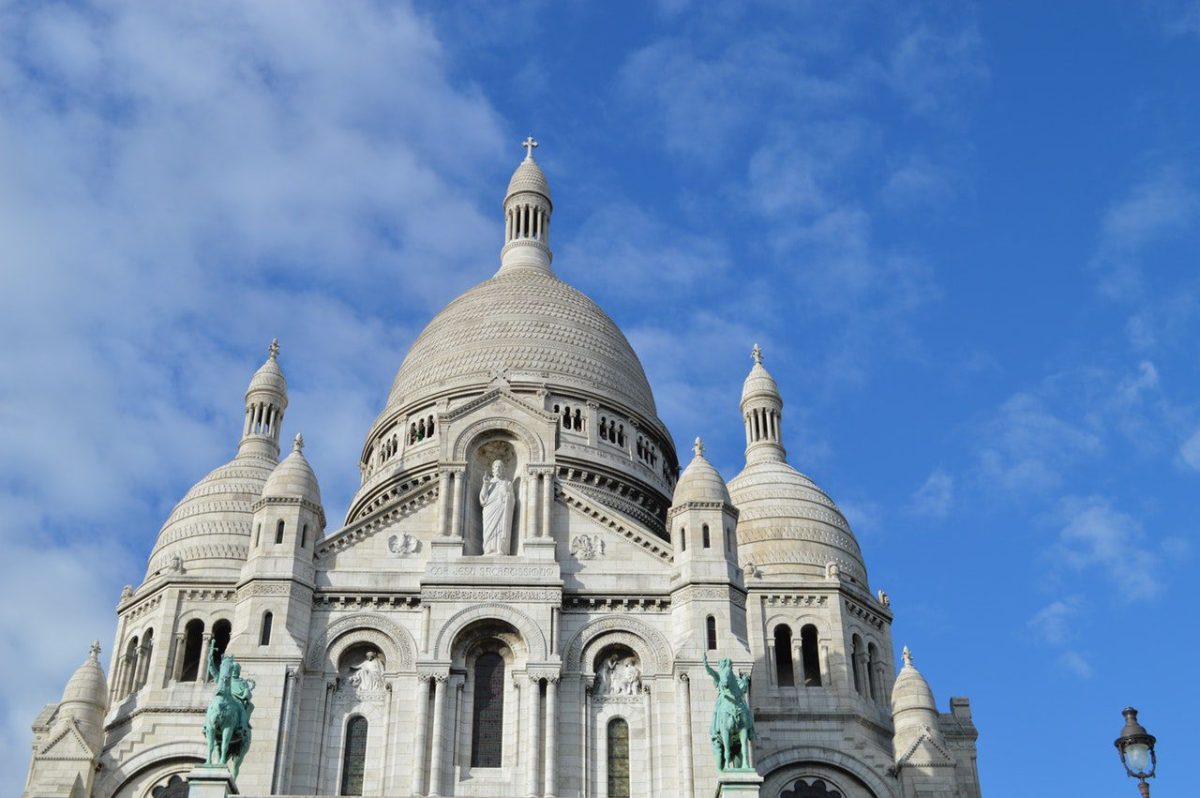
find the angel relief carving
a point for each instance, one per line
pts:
(587, 547)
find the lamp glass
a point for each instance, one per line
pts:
(1137, 756)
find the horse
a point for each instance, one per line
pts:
(732, 724)
(226, 719)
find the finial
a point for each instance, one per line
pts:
(907, 656)
(298, 442)
(756, 353)
(94, 651)
(530, 145)
(273, 349)
(698, 447)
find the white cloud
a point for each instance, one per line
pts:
(1027, 447)
(183, 182)
(935, 497)
(1190, 451)
(1076, 663)
(1055, 622)
(1096, 536)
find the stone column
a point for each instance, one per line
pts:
(438, 733)
(418, 777)
(531, 496)
(551, 763)
(443, 502)
(534, 735)
(772, 667)
(180, 652)
(650, 739)
(547, 500)
(684, 695)
(592, 424)
(457, 505)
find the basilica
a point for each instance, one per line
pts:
(526, 596)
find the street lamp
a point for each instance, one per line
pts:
(1137, 751)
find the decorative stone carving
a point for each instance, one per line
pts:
(618, 676)
(883, 599)
(367, 677)
(497, 501)
(403, 545)
(587, 547)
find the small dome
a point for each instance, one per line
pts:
(528, 177)
(209, 530)
(759, 382)
(911, 692)
(789, 526)
(293, 478)
(86, 687)
(269, 376)
(700, 482)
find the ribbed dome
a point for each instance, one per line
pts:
(86, 686)
(293, 478)
(700, 482)
(789, 526)
(528, 177)
(210, 527)
(524, 323)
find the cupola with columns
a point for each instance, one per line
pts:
(762, 413)
(527, 209)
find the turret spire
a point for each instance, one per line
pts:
(266, 399)
(762, 413)
(527, 209)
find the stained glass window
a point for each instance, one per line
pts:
(487, 730)
(810, 788)
(354, 761)
(618, 758)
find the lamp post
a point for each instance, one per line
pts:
(1136, 746)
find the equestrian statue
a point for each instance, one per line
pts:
(227, 720)
(733, 722)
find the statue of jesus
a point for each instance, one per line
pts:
(496, 498)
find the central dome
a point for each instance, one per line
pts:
(524, 325)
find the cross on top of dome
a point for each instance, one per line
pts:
(698, 447)
(94, 651)
(298, 443)
(530, 145)
(273, 349)
(756, 353)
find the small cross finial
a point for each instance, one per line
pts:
(298, 442)
(94, 651)
(273, 349)
(698, 447)
(756, 353)
(530, 145)
(907, 656)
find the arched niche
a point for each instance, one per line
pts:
(393, 641)
(532, 639)
(651, 647)
(488, 448)
(840, 771)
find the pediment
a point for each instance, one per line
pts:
(68, 743)
(926, 751)
(396, 507)
(498, 409)
(615, 526)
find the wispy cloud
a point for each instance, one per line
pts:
(935, 497)
(1094, 535)
(1028, 447)
(1055, 623)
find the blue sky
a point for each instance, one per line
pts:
(965, 236)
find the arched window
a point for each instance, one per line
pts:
(279, 532)
(618, 758)
(264, 635)
(705, 538)
(128, 675)
(783, 656)
(354, 757)
(683, 538)
(710, 632)
(193, 642)
(856, 653)
(810, 656)
(257, 535)
(221, 630)
(144, 658)
(304, 536)
(872, 676)
(487, 729)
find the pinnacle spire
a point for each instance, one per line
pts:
(908, 659)
(298, 443)
(94, 651)
(756, 353)
(273, 349)
(698, 447)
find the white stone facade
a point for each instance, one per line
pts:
(509, 674)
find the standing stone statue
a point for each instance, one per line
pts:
(496, 497)
(227, 719)
(733, 722)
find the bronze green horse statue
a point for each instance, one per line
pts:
(733, 723)
(227, 720)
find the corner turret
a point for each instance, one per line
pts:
(68, 736)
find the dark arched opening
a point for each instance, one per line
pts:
(192, 645)
(810, 656)
(354, 756)
(618, 758)
(487, 724)
(783, 656)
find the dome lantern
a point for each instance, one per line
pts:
(527, 209)
(266, 399)
(762, 413)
